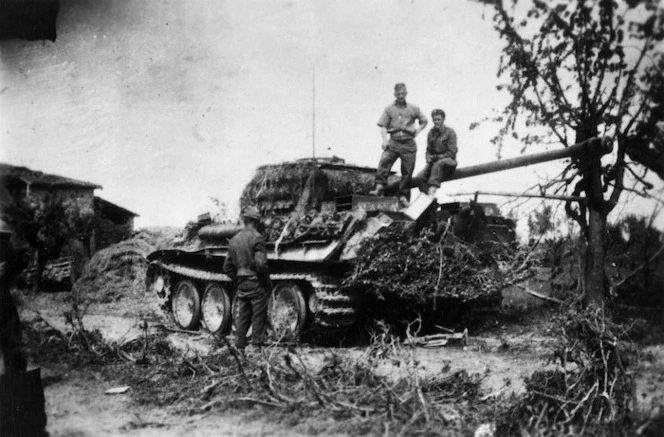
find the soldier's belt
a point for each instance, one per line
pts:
(247, 276)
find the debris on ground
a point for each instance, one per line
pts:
(288, 382)
(539, 295)
(76, 348)
(592, 387)
(364, 391)
(117, 390)
(438, 340)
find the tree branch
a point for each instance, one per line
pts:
(632, 274)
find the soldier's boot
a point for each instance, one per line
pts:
(378, 191)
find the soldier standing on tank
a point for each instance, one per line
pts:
(398, 131)
(246, 265)
(440, 156)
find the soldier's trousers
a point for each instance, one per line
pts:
(395, 150)
(10, 331)
(22, 404)
(433, 174)
(22, 410)
(252, 302)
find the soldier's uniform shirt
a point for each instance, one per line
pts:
(441, 159)
(246, 259)
(444, 143)
(399, 120)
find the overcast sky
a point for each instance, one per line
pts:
(167, 103)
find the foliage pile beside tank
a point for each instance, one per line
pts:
(422, 269)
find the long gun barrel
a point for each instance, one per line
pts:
(591, 147)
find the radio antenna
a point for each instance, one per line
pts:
(313, 110)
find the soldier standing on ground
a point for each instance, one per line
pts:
(22, 404)
(397, 128)
(440, 156)
(246, 265)
(11, 356)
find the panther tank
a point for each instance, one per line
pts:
(317, 215)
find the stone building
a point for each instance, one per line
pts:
(106, 223)
(24, 182)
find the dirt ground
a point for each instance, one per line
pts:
(503, 353)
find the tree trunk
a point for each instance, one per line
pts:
(594, 281)
(594, 277)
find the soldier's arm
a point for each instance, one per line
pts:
(383, 123)
(229, 268)
(452, 146)
(383, 134)
(423, 122)
(260, 258)
(428, 153)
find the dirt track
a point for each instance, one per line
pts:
(77, 405)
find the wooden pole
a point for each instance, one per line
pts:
(506, 194)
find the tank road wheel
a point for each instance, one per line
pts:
(161, 286)
(186, 305)
(216, 309)
(287, 311)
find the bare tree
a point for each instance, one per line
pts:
(578, 69)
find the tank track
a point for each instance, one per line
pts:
(332, 309)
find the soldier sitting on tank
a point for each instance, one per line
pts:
(440, 155)
(398, 121)
(246, 265)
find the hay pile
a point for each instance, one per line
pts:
(119, 270)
